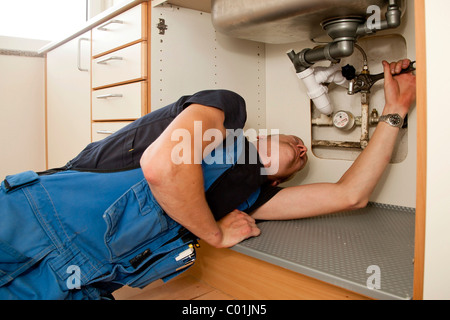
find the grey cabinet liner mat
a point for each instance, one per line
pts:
(340, 248)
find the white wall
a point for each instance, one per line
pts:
(22, 106)
(22, 121)
(437, 244)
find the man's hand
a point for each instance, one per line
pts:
(400, 90)
(236, 227)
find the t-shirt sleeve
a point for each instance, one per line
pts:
(267, 193)
(231, 103)
(123, 149)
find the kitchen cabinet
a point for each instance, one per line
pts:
(119, 71)
(96, 84)
(68, 100)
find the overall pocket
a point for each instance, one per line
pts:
(164, 265)
(135, 218)
(13, 263)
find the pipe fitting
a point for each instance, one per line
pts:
(345, 48)
(299, 61)
(344, 32)
(393, 16)
(314, 78)
(332, 74)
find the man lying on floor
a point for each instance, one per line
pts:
(129, 209)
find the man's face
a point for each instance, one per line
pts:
(288, 154)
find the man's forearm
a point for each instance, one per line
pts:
(181, 195)
(178, 187)
(350, 193)
(362, 178)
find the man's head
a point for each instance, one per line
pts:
(283, 156)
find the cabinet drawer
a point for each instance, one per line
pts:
(101, 130)
(120, 102)
(127, 27)
(120, 66)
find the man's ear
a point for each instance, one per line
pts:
(275, 183)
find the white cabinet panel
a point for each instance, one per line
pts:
(119, 102)
(123, 29)
(68, 101)
(120, 66)
(191, 56)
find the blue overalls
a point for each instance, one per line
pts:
(82, 235)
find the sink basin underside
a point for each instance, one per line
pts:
(284, 21)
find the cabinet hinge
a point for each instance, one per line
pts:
(162, 26)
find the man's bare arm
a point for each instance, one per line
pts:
(179, 188)
(353, 190)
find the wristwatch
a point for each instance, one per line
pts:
(395, 120)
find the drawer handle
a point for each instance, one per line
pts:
(105, 60)
(105, 132)
(102, 27)
(110, 95)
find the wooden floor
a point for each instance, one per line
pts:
(184, 287)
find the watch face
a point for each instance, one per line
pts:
(396, 120)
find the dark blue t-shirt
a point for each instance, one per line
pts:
(123, 150)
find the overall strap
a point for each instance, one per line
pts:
(236, 181)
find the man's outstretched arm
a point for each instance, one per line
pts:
(179, 188)
(353, 190)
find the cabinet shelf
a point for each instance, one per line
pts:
(200, 5)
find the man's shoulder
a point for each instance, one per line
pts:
(230, 102)
(217, 95)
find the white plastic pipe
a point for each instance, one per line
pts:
(316, 91)
(330, 74)
(313, 78)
